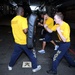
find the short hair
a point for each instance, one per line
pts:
(43, 13)
(60, 15)
(19, 10)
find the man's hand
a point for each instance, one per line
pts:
(61, 35)
(25, 30)
(58, 28)
(40, 24)
(45, 17)
(45, 26)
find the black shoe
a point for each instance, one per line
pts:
(51, 72)
(71, 66)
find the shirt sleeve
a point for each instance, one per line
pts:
(24, 24)
(54, 28)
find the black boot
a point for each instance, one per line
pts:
(51, 72)
(71, 66)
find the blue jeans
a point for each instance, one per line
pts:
(18, 49)
(62, 52)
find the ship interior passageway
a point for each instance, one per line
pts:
(7, 12)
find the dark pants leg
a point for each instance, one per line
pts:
(69, 59)
(18, 50)
(16, 53)
(31, 56)
(63, 47)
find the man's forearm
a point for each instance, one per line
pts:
(62, 37)
(46, 27)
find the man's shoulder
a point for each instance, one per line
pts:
(50, 18)
(65, 23)
(19, 18)
(24, 18)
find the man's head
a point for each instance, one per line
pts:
(42, 15)
(20, 11)
(46, 16)
(58, 17)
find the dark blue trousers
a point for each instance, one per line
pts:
(62, 52)
(48, 37)
(18, 49)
